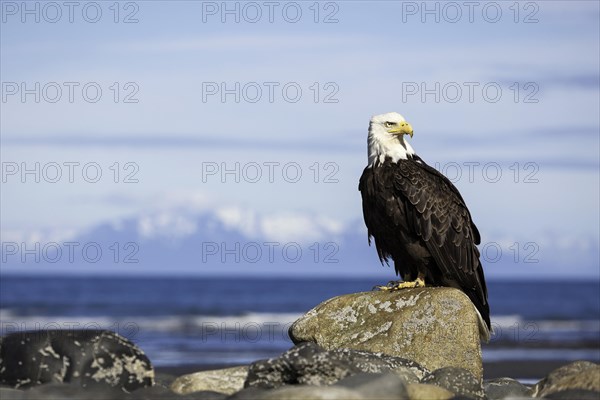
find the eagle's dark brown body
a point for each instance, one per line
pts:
(419, 220)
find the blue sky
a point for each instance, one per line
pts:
(540, 131)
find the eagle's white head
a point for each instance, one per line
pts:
(386, 138)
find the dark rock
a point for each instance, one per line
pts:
(153, 393)
(163, 379)
(271, 373)
(12, 394)
(306, 392)
(417, 324)
(366, 361)
(356, 381)
(310, 364)
(55, 391)
(408, 375)
(457, 380)
(376, 386)
(60, 391)
(501, 388)
(577, 375)
(160, 393)
(203, 395)
(84, 358)
(574, 394)
(250, 393)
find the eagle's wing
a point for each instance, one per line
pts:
(436, 212)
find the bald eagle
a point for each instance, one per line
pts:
(418, 218)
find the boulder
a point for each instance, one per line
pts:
(310, 364)
(501, 388)
(456, 380)
(421, 391)
(311, 393)
(579, 375)
(227, 380)
(83, 358)
(249, 393)
(407, 375)
(435, 327)
(12, 394)
(574, 394)
(380, 386)
(62, 391)
(162, 393)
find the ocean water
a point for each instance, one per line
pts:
(217, 321)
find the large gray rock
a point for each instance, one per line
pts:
(82, 358)
(579, 375)
(436, 327)
(227, 380)
(310, 364)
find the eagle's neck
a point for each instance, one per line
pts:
(383, 146)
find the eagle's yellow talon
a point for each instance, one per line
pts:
(397, 285)
(419, 282)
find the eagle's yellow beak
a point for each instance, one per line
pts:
(402, 128)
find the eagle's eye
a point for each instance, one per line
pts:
(388, 124)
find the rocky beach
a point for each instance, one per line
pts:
(413, 344)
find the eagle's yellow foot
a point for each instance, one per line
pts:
(397, 285)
